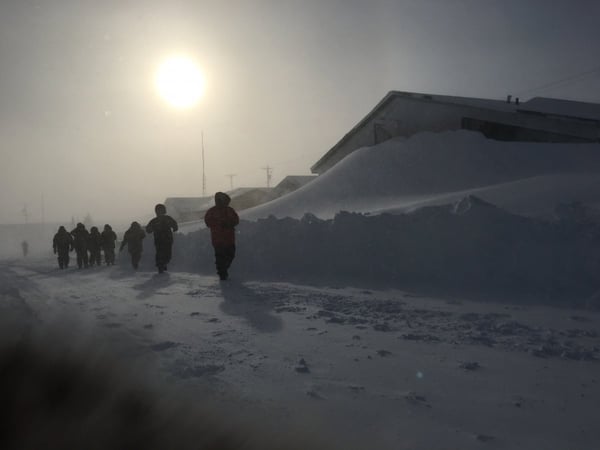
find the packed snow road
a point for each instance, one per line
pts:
(361, 368)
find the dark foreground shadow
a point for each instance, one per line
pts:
(156, 282)
(61, 393)
(239, 300)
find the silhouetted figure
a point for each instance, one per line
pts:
(222, 219)
(62, 244)
(25, 248)
(109, 238)
(133, 238)
(81, 237)
(94, 247)
(163, 227)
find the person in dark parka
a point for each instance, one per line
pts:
(108, 240)
(62, 244)
(133, 238)
(222, 220)
(94, 247)
(81, 237)
(162, 226)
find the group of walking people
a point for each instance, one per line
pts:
(88, 246)
(221, 219)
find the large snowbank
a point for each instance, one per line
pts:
(467, 246)
(536, 196)
(412, 172)
(466, 214)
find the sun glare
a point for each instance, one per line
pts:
(180, 82)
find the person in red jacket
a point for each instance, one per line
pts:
(222, 219)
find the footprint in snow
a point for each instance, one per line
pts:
(200, 371)
(356, 388)
(164, 346)
(314, 394)
(414, 399)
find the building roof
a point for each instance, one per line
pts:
(201, 202)
(563, 108)
(539, 105)
(499, 105)
(296, 180)
(189, 203)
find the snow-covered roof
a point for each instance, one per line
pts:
(539, 105)
(195, 202)
(243, 190)
(296, 180)
(497, 105)
(565, 108)
(188, 203)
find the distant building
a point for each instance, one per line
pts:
(244, 198)
(405, 113)
(189, 209)
(292, 183)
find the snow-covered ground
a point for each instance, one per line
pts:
(467, 318)
(358, 368)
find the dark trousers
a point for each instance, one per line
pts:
(163, 253)
(223, 258)
(82, 257)
(109, 255)
(63, 258)
(135, 258)
(95, 257)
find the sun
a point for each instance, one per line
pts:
(180, 82)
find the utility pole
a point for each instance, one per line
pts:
(203, 172)
(43, 211)
(269, 171)
(25, 213)
(231, 175)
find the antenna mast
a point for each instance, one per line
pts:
(231, 175)
(269, 175)
(203, 172)
(25, 213)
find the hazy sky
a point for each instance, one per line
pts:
(82, 124)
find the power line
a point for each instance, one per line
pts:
(563, 81)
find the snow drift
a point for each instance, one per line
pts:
(430, 167)
(468, 213)
(470, 246)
